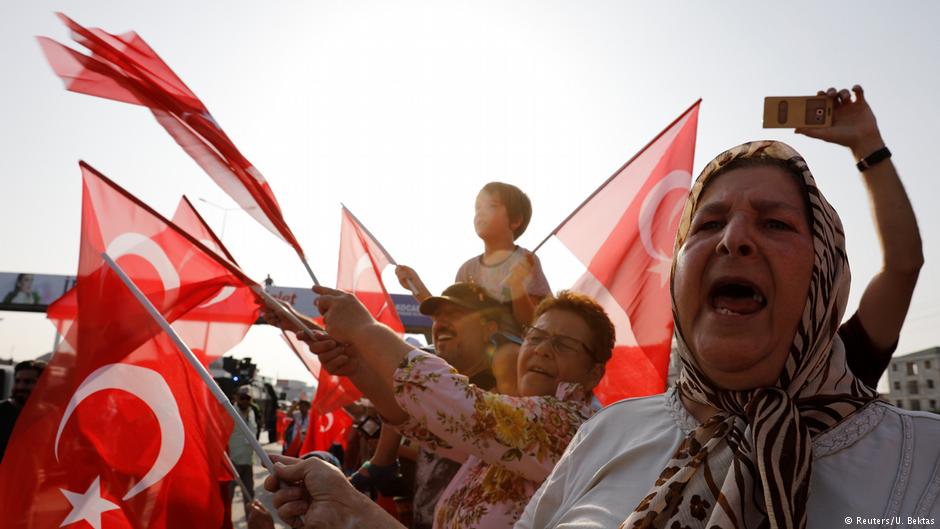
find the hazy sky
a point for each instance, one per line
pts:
(403, 110)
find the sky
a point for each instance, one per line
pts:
(402, 110)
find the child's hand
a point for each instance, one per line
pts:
(520, 272)
(409, 280)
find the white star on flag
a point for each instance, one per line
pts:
(87, 506)
(663, 267)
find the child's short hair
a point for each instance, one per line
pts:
(517, 204)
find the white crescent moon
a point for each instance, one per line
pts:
(223, 294)
(150, 387)
(677, 179)
(362, 264)
(226, 291)
(132, 243)
(329, 424)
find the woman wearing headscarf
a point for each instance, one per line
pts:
(767, 426)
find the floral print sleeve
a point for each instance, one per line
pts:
(525, 435)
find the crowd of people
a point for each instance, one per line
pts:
(774, 421)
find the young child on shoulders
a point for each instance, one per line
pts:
(508, 272)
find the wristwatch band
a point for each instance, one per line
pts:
(874, 158)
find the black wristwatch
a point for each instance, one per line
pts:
(873, 159)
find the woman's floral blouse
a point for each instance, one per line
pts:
(508, 445)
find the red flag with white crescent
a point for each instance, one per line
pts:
(361, 262)
(221, 322)
(116, 434)
(325, 429)
(125, 68)
(624, 234)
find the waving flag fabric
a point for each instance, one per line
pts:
(221, 322)
(624, 234)
(361, 261)
(124, 68)
(120, 430)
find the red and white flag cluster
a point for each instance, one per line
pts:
(121, 432)
(120, 428)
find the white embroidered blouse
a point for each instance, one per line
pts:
(881, 467)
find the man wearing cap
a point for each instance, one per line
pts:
(465, 322)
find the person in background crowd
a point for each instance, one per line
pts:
(297, 428)
(271, 413)
(240, 450)
(509, 273)
(25, 376)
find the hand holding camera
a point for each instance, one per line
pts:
(853, 123)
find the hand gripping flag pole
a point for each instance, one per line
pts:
(279, 308)
(194, 362)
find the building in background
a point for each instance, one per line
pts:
(914, 381)
(294, 389)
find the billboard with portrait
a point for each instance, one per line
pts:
(31, 291)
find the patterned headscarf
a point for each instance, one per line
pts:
(749, 465)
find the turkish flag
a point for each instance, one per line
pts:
(124, 68)
(209, 329)
(325, 429)
(220, 323)
(624, 234)
(361, 261)
(116, 431)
